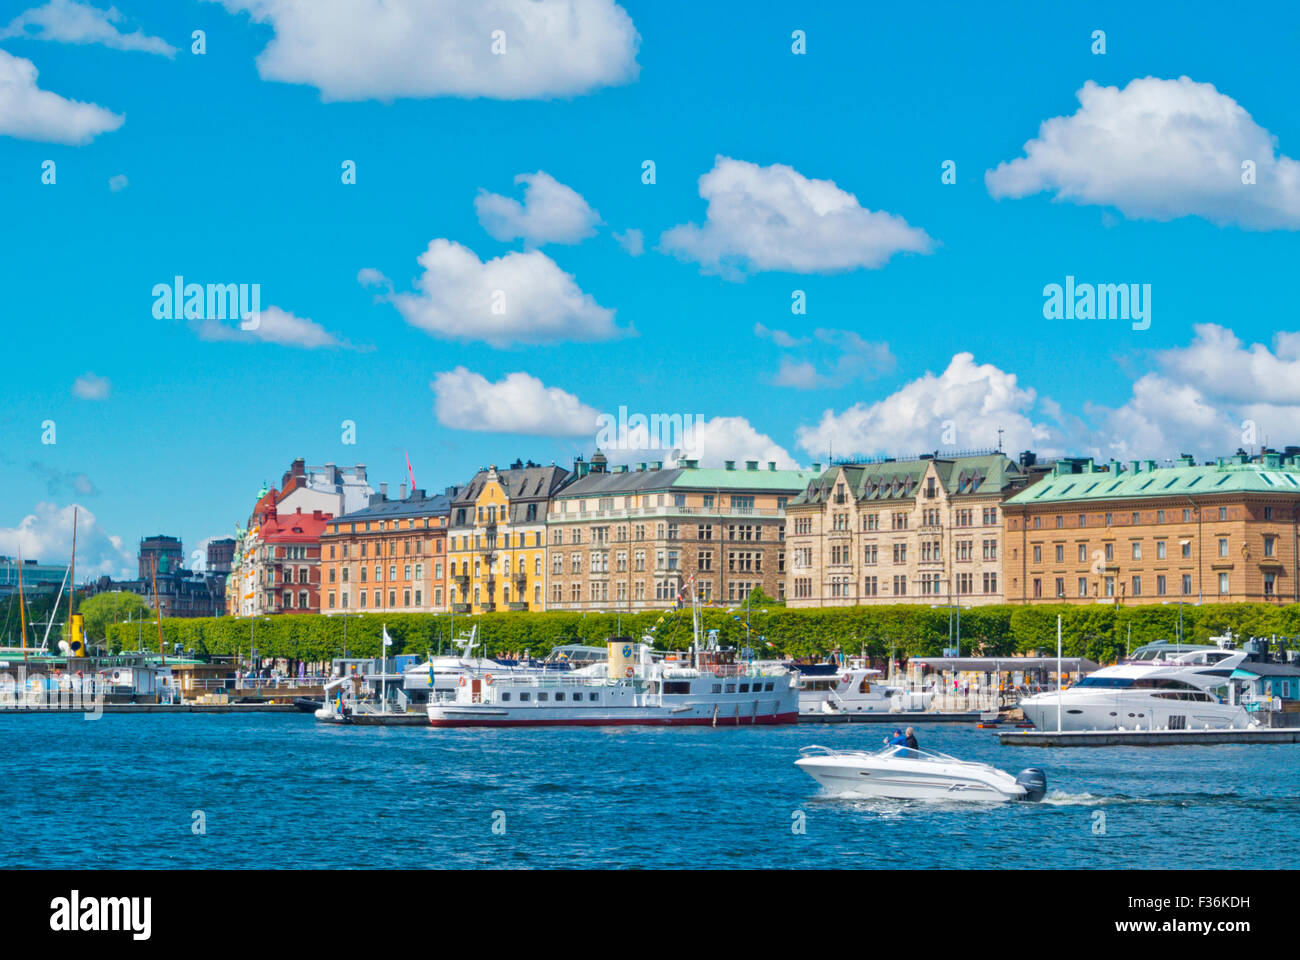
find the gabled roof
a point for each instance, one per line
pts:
(522, 485)
(900, 479)
(415, 505)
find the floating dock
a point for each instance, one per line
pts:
(904, 718)
(1145, 738)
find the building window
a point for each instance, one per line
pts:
(1137, 586)
(1223, 546)
(1137, 550)
(1038, 587)
(1187, 584)
(1160, 585)
(1268, 546)
(1223, 583)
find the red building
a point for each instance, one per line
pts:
(288, 571)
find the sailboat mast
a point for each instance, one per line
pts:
(22, 606)
(72, 575)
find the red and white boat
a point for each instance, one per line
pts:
(636, 686)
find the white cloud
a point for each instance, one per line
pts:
(90, 386)
(274, 326)
(1158, 150)
(118, 182)
(774, 218)
(780, 337)
(46, 535)
(30, 113)
(516, 298)
(383, 49)
(68, 21)
(1162, 418)
(631, 240)
(551, 212)
(58, 481)
(711, 441)
(961, 408)
(517, 403)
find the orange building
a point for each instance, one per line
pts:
(392, 555)
(1221, 532)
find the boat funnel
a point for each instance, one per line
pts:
(77, 646)
(1035, 783)
(621, 663)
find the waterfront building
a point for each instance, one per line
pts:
(923, 530)
(497, 538)
(628, 539)
(181, 592)
(329, 489)
(391, 555)
(37, 577)
(1224, 532)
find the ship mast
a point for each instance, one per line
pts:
(158, 611)
(22, 606)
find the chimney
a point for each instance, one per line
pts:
(656, 464)
(817, 468)
(751, 464)
(1133, 466)
(1186, 460)
(383, 490)
(402, 488)
(771, 465)
(1116, 468)
(731, 464)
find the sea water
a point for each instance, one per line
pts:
(281, 790)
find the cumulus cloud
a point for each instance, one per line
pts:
(550, 213)
(517, 403)
(961, 408)
(774, 218)
(632, 241)
(780, 337)
(516, 298)
(118, 182)
(384, 49)
(45, 535)
(69, 21)
(1158, 150)
(29, 113)
(90, 386)
(58, 482)
(712, 441)
(273, 326)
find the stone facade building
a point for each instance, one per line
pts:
(497, 538)
(622, 539)
(927, 530)
(392, 555)
(1220, 532)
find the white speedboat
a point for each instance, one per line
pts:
(906, 773)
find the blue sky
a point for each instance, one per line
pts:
(232, 170)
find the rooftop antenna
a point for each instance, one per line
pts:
(1000, 432)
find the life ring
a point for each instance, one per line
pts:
(487, 678)
(629, 672)
(846, 678)
(718, 673)
(462, 681)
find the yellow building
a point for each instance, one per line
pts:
(496, 544)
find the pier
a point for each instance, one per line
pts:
(158, 708)
(1145, 738)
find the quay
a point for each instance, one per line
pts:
(902, 717)
(1145, 738)
(158, 708)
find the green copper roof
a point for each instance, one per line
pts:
(1180, 481)
(697, 478)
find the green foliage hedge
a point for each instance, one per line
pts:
(1094, 631)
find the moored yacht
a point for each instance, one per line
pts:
(1161, 686)
(830, 690)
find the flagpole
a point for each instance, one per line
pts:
(383, 670)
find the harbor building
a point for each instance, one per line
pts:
(329, 489)
(629, 539)
(1224, 531)
(497, 538)
(37, 577)
(923, 530)
(391, 555)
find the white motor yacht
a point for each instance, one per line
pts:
(1161, 686)
(907, 773)
(828, 690)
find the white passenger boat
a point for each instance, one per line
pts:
(634, 686)
(1161, 687)
(829, 690)
(907, 773)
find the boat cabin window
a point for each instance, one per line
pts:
(717, 688)
(524, 697)
(505, 697)
(677, 687)
(543, 696)
(559, 696)
(593, 696)
(744, 688)
(731, 688)
(768, 685)
(864, 686)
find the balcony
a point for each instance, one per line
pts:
(460, 608)
(489, 607)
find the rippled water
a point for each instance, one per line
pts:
(285, 791)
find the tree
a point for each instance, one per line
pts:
(105, 609)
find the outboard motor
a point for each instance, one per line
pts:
(1035, 783)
